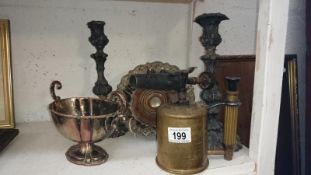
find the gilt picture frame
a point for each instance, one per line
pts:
(6, 94)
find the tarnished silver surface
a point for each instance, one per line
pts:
(85, 121)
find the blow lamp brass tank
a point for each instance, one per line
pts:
(182, 138)
(181, 128)
(182, 146)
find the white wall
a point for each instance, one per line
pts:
(238, 33)
(50, 41)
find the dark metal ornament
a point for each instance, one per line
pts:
(210, 23)
(210, 94)
(99, 40)
(210, 39)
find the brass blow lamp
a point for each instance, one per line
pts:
(182, 127)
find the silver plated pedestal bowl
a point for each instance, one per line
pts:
(86, 121)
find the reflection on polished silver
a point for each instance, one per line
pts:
(86, 121)
(155, 102)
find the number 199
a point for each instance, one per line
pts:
(179, 135)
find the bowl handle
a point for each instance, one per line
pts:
(119, 97)
(55, 84)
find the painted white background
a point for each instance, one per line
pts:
(50, 41)
(238, 33)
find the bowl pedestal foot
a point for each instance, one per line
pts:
(87, 154)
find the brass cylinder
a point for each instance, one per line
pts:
(182, 138)
(230, 124)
